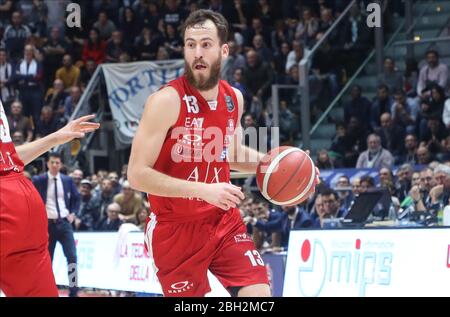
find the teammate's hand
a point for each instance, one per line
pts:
(222, 195)
(76, 129)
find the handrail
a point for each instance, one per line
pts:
(330, 29)
(359, 70)
(422, 41)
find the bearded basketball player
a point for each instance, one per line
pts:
(195, 225)
(25, 265)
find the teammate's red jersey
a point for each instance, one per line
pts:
(23, 227)
(196, 149)
(9, 160)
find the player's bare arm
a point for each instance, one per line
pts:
(74, 129)
(160, 114)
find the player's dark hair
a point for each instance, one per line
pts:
(202, 15)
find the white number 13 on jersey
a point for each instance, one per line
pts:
(254, 257)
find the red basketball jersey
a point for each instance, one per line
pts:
(9, 160)
(196, 148)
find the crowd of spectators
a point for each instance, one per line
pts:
(45, 67)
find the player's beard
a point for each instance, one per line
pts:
(201, 82)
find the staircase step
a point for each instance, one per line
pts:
(325, 131)
(436, 7)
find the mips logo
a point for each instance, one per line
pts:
(313, 268)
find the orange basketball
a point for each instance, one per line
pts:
(286, 176)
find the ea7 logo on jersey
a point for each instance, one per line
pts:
(191, 104)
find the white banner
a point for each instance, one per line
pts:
(129, 86)
(113, 261)
(390, 262)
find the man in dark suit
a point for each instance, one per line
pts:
(62, 201)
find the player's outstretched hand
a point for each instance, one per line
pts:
(76, 129)
(222, 195)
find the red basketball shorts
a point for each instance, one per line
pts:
(183, 252)
(25, 265)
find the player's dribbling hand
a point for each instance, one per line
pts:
(222, 195)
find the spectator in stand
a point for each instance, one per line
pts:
(403, 183)
(19, 123)
(149, 17)
(431, 74)
(258, 76)
(88, 214)
(77, 176)
(446, 114)
(141, 218)
(296, 55)
(15, 36)
(71, 102)
(147, 44)
(112, 221)
(342, 150)
(104, 196)
(56, 96)
(104, 25)
(54, 51)
(87, 72)
(130, 26)
(94, 48)
(404, 111)
(173, 13)
(279, 36)
(391, 135)
(173, 42)
(434, 136)
(423, 155)
(18, 139)
(344, 191)
(288, 124)
(47, 124)
(358, 107)
(280, 60)
(390, 77)
(375, 156)
(7, 89)
(432, 107)
(130, 202)
(415, 179)
(356, 186)
(114, 178)
(381, 104)
(307, 28)
(440, 194)
(235, 60)
(69, 73)
(29, 78)
(333, 208)
(408, 154)
(261, 48)
(115, 47)
(237, 82)
(323, 160)
(410, 78)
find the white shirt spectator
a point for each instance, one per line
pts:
(446, 114)
(439, 74)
